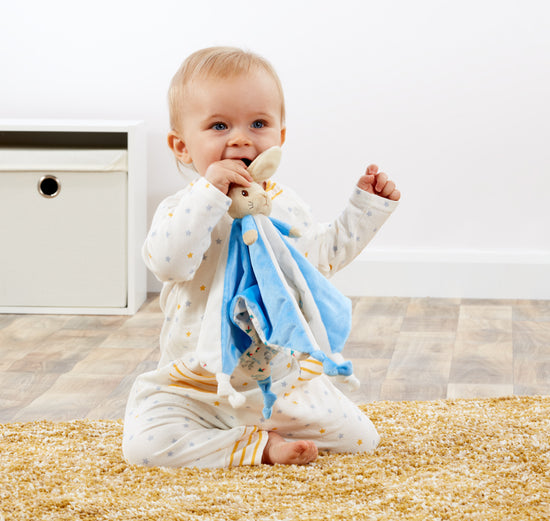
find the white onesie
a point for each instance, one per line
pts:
(174, 415)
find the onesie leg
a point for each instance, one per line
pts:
(166, 429)
(314, 409)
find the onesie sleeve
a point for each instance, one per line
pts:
(334, 245)
(181, 231)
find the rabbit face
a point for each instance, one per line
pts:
(249, 200)
(253, 199)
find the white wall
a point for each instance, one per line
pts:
(450, 98)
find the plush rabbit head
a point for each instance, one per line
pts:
(253, 199)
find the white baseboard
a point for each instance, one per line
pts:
(447, 274)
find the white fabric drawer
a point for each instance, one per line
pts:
(69, 250)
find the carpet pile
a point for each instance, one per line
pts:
(451, 459)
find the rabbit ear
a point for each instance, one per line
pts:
(264, 166)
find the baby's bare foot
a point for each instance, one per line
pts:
(284, 452)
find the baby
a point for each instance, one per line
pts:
(227, 107)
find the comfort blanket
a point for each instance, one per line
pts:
(275, 300)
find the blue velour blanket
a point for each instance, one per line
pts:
(274, 300)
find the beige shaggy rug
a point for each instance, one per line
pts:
(460, 459)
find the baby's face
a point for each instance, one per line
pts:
(233, 118)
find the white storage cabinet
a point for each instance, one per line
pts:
(72, 217)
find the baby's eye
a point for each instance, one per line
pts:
(258, 124)
(219, 126)
(244, 193)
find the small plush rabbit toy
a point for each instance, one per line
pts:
(274, 300)
(254, 200)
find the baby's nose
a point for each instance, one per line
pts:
(239, 139)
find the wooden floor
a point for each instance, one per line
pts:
(63, 367)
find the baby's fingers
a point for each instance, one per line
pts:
(388, 188)
(366, 183)
(224, 173)
(241, 179)
(240, 173)
(395, 195)
(372, 170)
(381, 180)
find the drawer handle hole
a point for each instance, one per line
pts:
(49, 186)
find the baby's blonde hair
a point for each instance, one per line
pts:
(216, 62)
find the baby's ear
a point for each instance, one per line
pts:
(264, 166)
(178, 147)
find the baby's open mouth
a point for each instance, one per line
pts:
(246, 161)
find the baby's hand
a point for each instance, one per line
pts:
(377, 183)
(222, 174)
